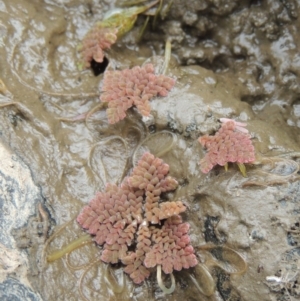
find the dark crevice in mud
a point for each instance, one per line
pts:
(217, 66)
(225, 288)
(152, 129)
(251, 99)
(15, 118)
(255, 2)
(296, 101)
(210, 234)
(291, 239)
(99, 68)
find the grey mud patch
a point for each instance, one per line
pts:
(12, 290)
(18, 198)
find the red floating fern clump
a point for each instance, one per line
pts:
(231, 143)
(171, 246)
(136, 86)
(112, 216)
(95, 42)
(132, 214)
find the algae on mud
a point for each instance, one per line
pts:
(244, 55)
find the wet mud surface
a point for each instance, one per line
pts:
(234, 59)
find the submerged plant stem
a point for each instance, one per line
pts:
(78, 267)
(143, 29)
(112, 281)
(203, 280)
(103, 142)
(131, 3)
(69, 248)
(229, 260)
(168, 50)
(164, 11)
(78, 118)
(82, 277)
(281, 171)
(160, 282)
(3, 89)
(162, 151)
(242, 168)
(95, 109)
(157, 13)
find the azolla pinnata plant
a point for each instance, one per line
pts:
(231, 143)
(105, 33)
(136, 228)
(123, 89)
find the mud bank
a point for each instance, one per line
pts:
(230, 59)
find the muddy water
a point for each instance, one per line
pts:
(237, 63)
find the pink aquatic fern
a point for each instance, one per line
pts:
(112, 216)
(133, 214)
(231, 143)
(171, 246)
(151, 176)
(95, 42)
(136, 86)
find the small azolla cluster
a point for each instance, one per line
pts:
(95, 42)
(231, 143)
(136, 227)
(136, 86)
(106, 32)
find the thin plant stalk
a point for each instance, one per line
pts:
(79, 242)
(168, 49)
(83, 275)
(161, 284)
